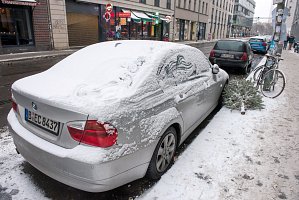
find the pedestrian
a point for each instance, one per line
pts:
(291, 41)
(285, 44)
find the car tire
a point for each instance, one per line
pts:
(163, 154)
(245, 70)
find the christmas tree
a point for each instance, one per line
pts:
(240, 94)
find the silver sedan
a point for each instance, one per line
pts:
(113, 112)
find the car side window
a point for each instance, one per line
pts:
(182, 66)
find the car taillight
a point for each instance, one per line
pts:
(244, 56)
(93, 132)
(264, 44)
(212, 53)
(15, 106)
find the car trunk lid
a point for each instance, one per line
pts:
(45, 119)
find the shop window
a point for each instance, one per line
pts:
(15, 26)
(168, 4)
(157, 3)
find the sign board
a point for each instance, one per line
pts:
(121, 14)
(277, 1)
(107, 16)
(109, 7)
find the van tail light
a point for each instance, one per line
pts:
(244, 56)
(212, 53)
(264, 44)
(93, 132)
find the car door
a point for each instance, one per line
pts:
(181, 78)
(249, 53)
(214, 86)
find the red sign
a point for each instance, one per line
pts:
(107, 16)
(109, 7)
(121, 14)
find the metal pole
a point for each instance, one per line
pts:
(278, 25)
(174, 21)
(197, 20)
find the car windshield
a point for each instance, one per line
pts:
(256, 40)
(229, 45)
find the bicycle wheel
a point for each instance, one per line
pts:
(257, 72)
(273, 83)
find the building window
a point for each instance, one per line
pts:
(189, 6)
(157, 3)
(142, 1)
(203, 7)
(199, 3)
(15, 26)
(195, 5)
(168, 4)
(185, 2)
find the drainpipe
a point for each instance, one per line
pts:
(197, 36)
(50, 26)
(174, 21)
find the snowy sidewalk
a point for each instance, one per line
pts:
(252, 156)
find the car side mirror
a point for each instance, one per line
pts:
(215, 69)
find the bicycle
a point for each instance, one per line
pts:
(269, 79)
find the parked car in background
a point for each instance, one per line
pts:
(259, 44)
(113, 112)
(232, 53)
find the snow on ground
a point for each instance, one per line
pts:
(252, 156)
(14, 183)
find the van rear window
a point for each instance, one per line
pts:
(229, 45)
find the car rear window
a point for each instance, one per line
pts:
(229, 45)
(256, 40)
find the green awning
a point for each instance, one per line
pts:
(133, 16)
(142, 16)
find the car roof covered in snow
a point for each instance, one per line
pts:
(103, 72)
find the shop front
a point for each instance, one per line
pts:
(89, 23)
(16, 27)
(125, 24)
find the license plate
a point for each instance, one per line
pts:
(42, 122)
(227, 56)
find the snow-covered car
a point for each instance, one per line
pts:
(113, 112)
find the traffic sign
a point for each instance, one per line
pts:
(107, 16)
(109, 7)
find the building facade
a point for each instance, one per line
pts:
(219, 24)
(295, 25)
(243, 17)
(291, 6)
(61, 24)
(191, 18)
(24, 26)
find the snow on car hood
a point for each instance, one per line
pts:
(103, 73)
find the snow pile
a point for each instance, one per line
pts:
(14, 183)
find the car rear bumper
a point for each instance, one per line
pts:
(261, 49)
(229, 63)
(76, 167)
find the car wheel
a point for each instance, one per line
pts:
(163, 155)
(245, 70)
